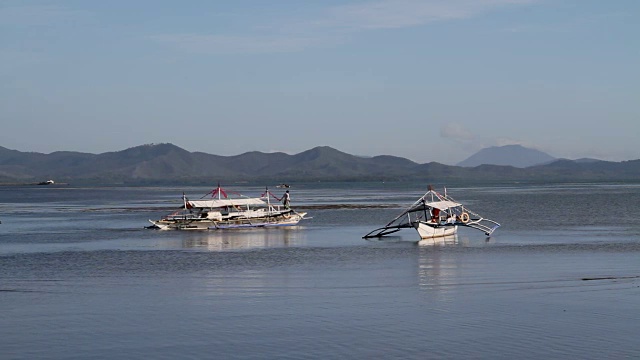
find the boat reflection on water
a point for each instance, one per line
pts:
(439, 266)
(438, 270)
(221, 240)
(439, 241)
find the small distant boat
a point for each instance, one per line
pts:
(224, 212)
(434, 215)
(283, 186)
(48, 182)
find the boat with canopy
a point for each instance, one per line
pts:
(222, 211)
(435, 215)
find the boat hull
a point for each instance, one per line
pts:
(428, 231)
(178, 224)
(236, 223)
(281, 220)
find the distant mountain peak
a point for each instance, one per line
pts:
(508, 155)
(157, 146)
(321, 152)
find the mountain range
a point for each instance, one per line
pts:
(170, 164)
(508, 155)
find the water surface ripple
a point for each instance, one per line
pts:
(81, 278)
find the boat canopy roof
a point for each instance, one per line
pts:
(443, 205)
(219, 203)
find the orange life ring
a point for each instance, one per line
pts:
(464, 217)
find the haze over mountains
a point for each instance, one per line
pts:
(170, 164)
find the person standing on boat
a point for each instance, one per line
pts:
(435, 217)
(286, 199)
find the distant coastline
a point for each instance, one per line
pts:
(39, 184)
(167, 164)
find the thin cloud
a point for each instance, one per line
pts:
(570, 25)
(220, 44)
(389, 14)
(508, 141)
(335, 25)
(456, 131)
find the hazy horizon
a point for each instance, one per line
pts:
(427, 80)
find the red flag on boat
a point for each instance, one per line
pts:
(219, 191)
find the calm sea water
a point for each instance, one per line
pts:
(80, 277)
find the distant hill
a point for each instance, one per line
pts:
(158, 164)
(509, 155)
(167, 163)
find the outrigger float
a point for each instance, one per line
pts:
(435, 215)
(224, 212)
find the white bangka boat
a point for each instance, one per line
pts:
(224, 212)
(435, 215)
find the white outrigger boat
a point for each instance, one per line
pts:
(224, 212)
(435, 215)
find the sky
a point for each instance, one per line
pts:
(428, 80)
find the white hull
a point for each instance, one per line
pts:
(236, 223)
(427, 231)
(282, 220)
(177, 224)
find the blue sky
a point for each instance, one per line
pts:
(426, 80)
